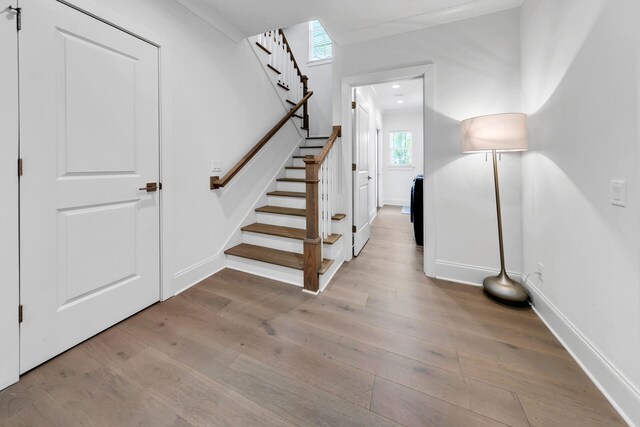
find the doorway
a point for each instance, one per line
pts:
(388, 152)
(89, 201)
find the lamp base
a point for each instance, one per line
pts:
(506, 290)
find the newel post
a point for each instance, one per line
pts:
(312, 241)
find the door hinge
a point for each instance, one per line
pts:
(353, 228)
(20, 313)
(353, 105)
(353, 167)
(18, 12)
(19, 167)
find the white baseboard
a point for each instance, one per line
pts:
(193, 275)
(618, 389)
(397, 202)
(465, 273)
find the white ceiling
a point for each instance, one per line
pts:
(409, 92)
(346, 21)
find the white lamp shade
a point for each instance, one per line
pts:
(500, 132)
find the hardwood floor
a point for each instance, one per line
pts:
(384, 345)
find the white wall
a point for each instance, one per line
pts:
(320, 80)
(580, 86)
(477, 68)
(397, 181)
(9, 198)
(219, 104)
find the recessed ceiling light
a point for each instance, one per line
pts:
(396, 86)
(400, 101)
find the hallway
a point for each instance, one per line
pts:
(383, 345)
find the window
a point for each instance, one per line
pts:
(319, 42)
(401, 148)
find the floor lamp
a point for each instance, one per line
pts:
(498, 133)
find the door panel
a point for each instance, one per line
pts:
(89, 140)
(361, 177)
(9, 196)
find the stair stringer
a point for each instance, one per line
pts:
(261, 55)
(251, 216)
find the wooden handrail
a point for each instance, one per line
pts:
(215, 181)
(313, 241)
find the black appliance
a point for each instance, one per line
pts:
(417, 209)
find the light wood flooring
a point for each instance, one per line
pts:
(383, 345)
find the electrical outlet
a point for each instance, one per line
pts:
(618, 193)
(216, 166)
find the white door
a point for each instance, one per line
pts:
(361, 176)
(8, 195)
(89, 141)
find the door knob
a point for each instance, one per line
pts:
(150, 188)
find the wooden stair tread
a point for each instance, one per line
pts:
(295, 167)
(274, 256)
(274, 69)
(263, 48)
(293, 212)
(298, 194)
(313, 146)
(299, 157)
(282, 210)
(291, 180)
(291, 102)
(289, 232)
(318, 137)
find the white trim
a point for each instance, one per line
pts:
(193, 275)
(613, 384)
(467, 274)
(317, 62)
(401, 167)
(397, 202)
(427, 72)
(311, 292)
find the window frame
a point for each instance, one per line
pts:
(409, 149)
(317, 61)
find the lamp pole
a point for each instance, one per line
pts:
(502, 287)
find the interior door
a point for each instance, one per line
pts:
(89, 142)
(8, 195)
(361, 176)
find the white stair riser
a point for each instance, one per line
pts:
(283, 220)
(291, 186)
(298, 162)
(271, 271)
(305, 151)
(288, 202)
(296, 173)
(283, 243)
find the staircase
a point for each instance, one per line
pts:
(296, 236)
(273, 245)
